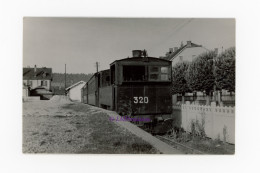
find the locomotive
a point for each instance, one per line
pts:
(136, 86)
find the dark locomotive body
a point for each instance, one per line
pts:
(133, 86)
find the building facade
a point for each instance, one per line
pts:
(187, 52)
(37, 77)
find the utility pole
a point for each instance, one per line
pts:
(97, 64)
(65, 81)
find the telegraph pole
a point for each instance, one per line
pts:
(65, 81)
(97, 64)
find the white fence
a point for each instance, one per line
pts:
(217, 122)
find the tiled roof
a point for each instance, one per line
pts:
(40, 74)
(172, 55)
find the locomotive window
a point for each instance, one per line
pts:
(165, 73)
(164, 77)
(154, 76)
(164, 70)
(159, 73)
(154, 69)
(133, 73)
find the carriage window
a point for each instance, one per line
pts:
(133, 73)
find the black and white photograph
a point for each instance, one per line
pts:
(129, 85)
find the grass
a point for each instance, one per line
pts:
(84, 131)
(204, 144)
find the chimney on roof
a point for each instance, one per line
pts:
(188, 43)
(175, 49)
(170, 50)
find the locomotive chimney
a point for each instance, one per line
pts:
(137, 53)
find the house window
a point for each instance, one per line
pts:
(28, 83)
(43, 83)
(181, 58)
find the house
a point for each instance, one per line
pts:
(37, 77)
(74, 91)
(186, 52)
(37, 82)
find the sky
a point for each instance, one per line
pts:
(80, 42)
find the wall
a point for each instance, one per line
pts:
(218, 122)
(75, 92)
(25, 92)
(188, 54)
(37, 83)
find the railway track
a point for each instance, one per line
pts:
(179, 146)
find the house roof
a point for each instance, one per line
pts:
(40, 73)
(178, 51)
(76, 84)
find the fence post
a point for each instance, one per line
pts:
(187, 113)
(213, 114)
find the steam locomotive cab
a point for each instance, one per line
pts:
(141, 85)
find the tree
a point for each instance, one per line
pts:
(179, 82)
(225, 70)
(200, 76)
